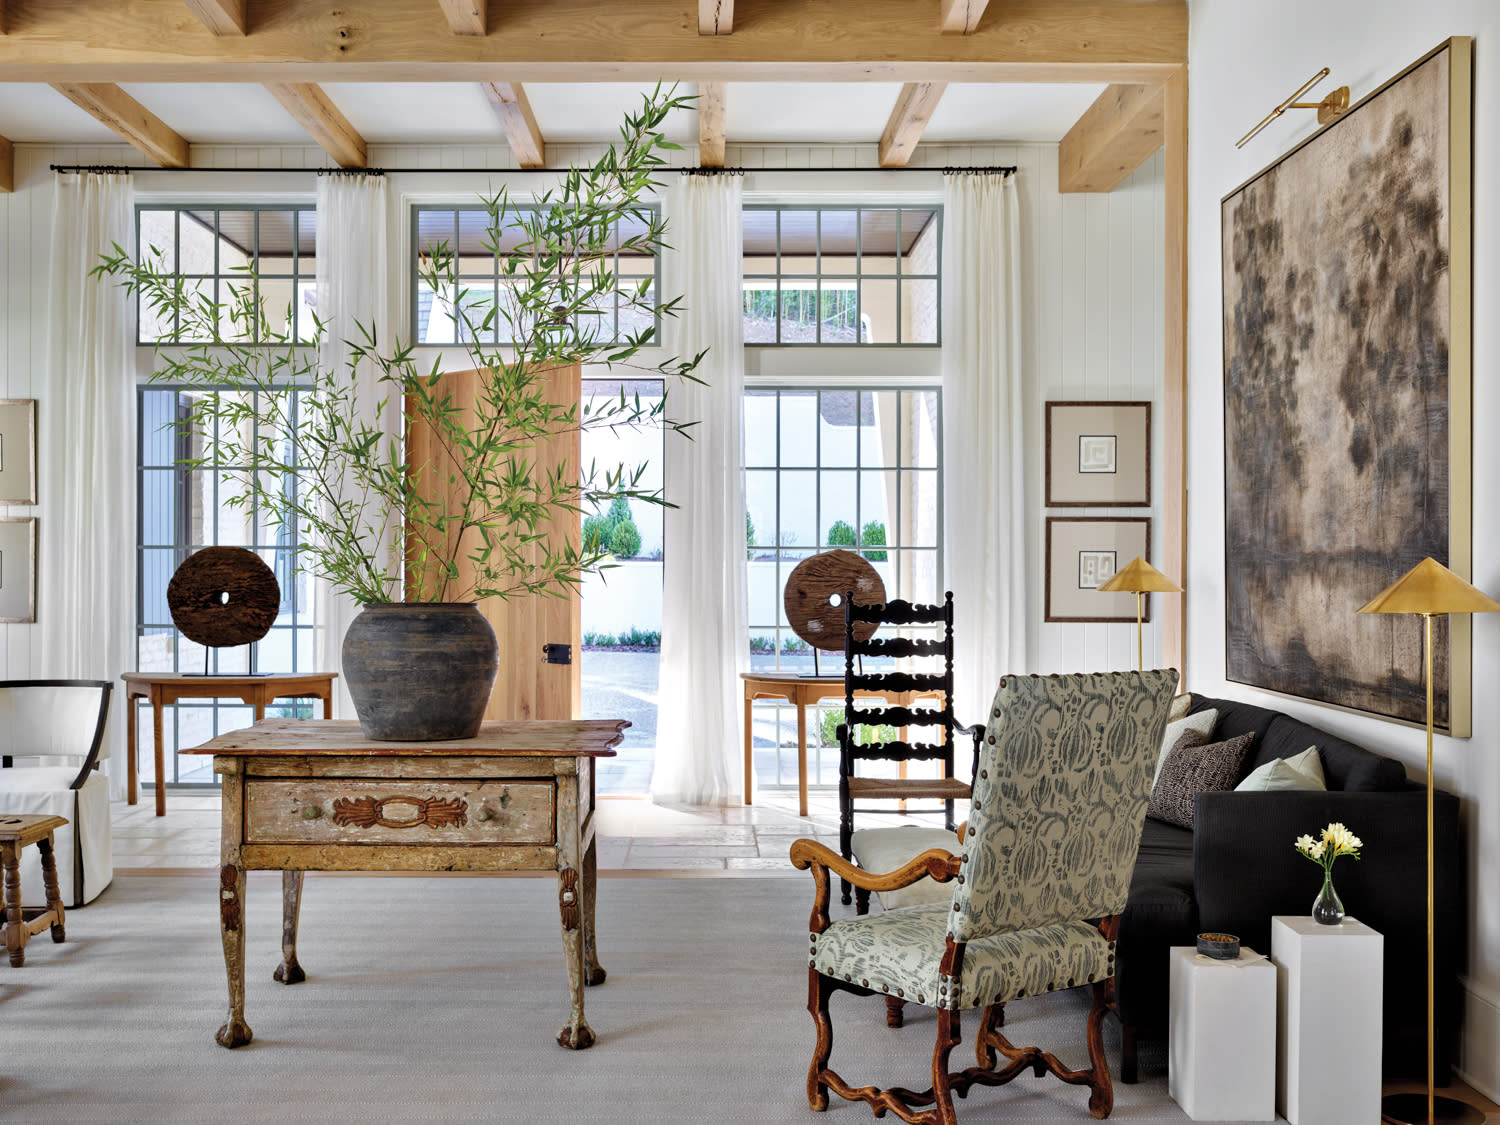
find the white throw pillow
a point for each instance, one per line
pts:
(1302, 772)
(1203, 722)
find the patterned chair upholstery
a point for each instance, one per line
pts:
(51, 747)
(1038, 888)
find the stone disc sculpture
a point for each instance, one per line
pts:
(222, 596)
(814, 597)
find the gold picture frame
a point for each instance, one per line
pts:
(18, 451)
(17, 570)
(1348, 398)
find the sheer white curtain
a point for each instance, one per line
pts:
(86, 450)
(703, 632)
(353, 293)
(984, 486)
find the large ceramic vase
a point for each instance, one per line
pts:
(420, 671)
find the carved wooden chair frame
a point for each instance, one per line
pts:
(907, 1104)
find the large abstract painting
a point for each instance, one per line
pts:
(1346, 398)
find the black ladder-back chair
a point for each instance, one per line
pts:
(852, 787)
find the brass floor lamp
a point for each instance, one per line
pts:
(1430, 589)
(1139, 577)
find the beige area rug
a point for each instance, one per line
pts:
(439, 1000)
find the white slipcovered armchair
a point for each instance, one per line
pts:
(51, 744)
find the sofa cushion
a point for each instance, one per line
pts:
(1303, 773)
(1196, 766)
(1235, 717)
(885, 849)
(1162, 912)
(1202, 722)
(1345, 765)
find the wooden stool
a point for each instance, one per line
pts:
(16, 832)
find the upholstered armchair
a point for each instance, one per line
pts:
(1038, 886)
(51, 744)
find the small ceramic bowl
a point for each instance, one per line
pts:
(1221, 947)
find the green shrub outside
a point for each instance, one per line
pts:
(625, 540)
(594, 534)
(828, 730)
(874, 536)
(841, 535)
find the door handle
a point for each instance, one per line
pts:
(557, 653)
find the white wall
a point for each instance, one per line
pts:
(1243, 59)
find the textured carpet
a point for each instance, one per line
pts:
(439, 1000)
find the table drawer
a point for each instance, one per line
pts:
(350, 811)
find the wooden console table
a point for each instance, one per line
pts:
(162, 688)
(803, 692)
(304, 795)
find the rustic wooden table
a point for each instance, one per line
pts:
(162, 688)
(803, 692)
(304, 795)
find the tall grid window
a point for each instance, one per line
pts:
(824, 469)
(483, 284)
(211, 249)
(180, 511)
(841, 275)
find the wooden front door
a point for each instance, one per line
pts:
(527, 687)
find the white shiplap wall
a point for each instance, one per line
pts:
(1093, 306)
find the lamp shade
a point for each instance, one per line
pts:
(1430, 587)
(1140, 577)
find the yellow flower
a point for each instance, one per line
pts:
(1317, 850)
(1304, 843)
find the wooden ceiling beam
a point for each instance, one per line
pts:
(1112, 139)
(7, 165)
(221, 17)
(715, 17)
(512, 107)
(313, 110)
(961, 17)
(711, 124)
(466, 17)
(914, 109)
(299, 41)
(132, 121)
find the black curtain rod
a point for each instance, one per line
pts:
(1004, 170)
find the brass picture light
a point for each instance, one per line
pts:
(1328, 109)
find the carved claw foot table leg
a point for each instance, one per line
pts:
(576, 1033)
(289, 972)
(235, 1032)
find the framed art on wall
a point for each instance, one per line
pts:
(1082, 552)
(17, 570)
(1347, 356)
(1098, 455)
(17, 451)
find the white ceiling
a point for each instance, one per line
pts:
(437, 112)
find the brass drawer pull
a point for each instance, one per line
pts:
(312, 812)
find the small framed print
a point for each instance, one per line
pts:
(17, 570)
(17, 451)
(1083, 552)
(1098, 455)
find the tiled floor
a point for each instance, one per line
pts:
(634, 835)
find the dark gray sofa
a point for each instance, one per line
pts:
(1237, 868)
